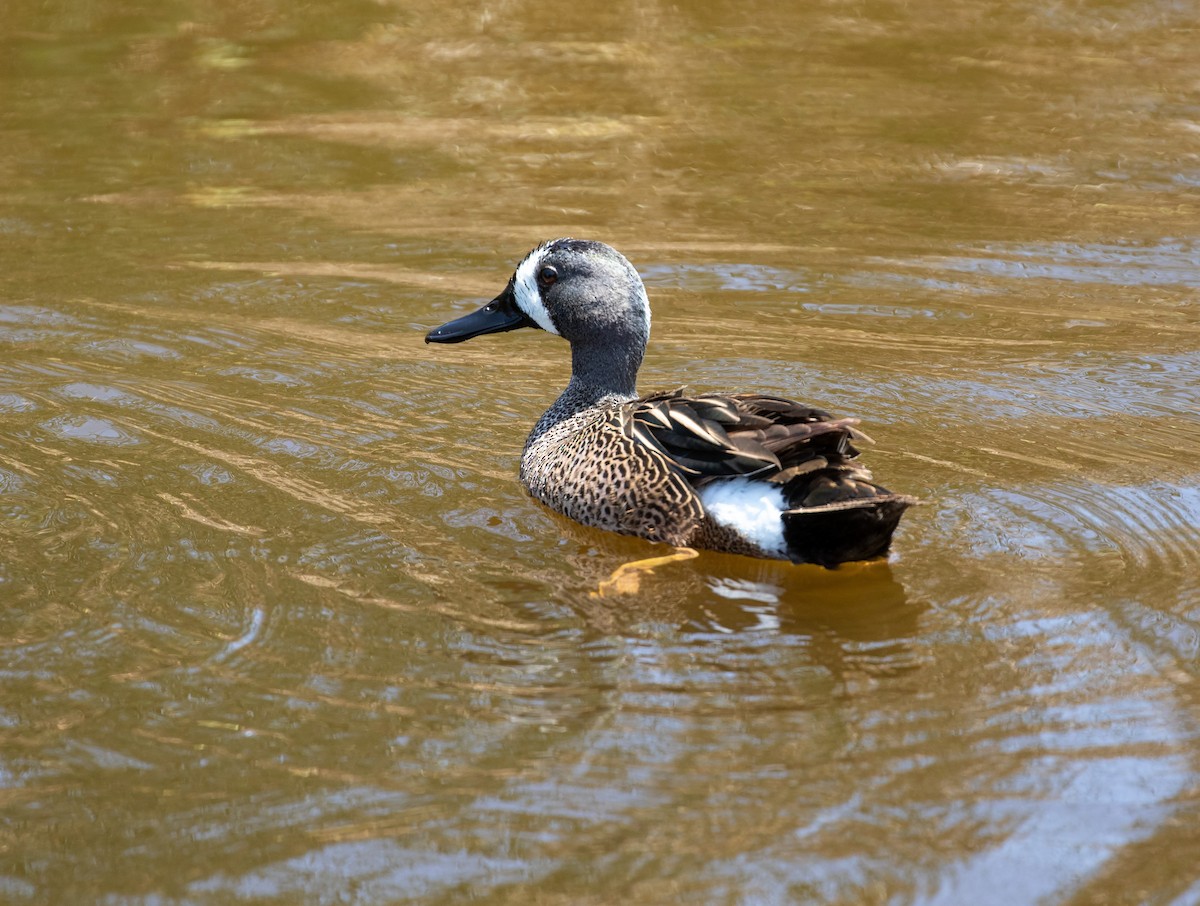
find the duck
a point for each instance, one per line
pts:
(741, 473)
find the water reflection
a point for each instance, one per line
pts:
(728, 595)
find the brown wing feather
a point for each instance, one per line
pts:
(701, 436)
(714, 436)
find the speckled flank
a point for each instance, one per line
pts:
(584, 465)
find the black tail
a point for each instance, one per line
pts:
(838, 518)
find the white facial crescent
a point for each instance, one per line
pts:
(525, 288)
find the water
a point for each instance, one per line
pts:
(278, 623)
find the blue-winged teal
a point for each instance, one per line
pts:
(743, 473)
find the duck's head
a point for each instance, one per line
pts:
(581, 290)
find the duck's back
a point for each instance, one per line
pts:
(746, 474)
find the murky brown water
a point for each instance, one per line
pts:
(278, 623)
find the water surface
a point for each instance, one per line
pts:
(278, 623)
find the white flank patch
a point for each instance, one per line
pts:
(525, 288)
(751, 508)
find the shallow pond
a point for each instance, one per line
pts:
(279, 625)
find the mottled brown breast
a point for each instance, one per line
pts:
(588, 468)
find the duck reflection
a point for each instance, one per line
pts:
(858, 610)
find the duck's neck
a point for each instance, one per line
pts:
(604, 370)
(600, 373)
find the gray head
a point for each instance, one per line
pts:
(584, 291)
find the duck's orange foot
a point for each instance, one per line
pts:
(627, 578)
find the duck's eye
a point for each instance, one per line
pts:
(547, 275)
